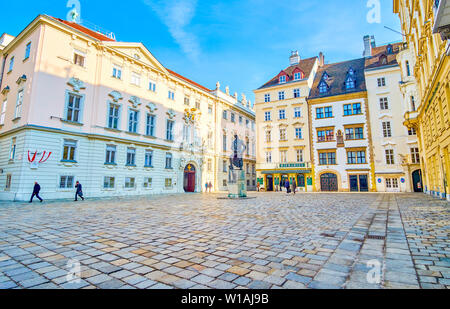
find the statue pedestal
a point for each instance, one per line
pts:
(237, 187)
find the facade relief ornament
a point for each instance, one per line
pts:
(171, 113)
(76, 84)
(116, 95)
(151, 107)
(135, 101)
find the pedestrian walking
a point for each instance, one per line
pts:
(294, 186)
(79, 192)
(210, 186)
(36, 190)
(288, 186)
(258, 186)
(206, 187)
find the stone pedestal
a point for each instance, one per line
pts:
(237, 187)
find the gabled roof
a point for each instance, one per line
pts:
(306, 66)
(188, 81)
(89, 32)
(381, 51)
(337, 76)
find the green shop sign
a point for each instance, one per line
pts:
(292, 165)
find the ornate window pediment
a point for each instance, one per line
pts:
(152, 107)
(21, 79)
(171, 113)
(116, 95)
(76, 84)
(6, 90)
(135, 101)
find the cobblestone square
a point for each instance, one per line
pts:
(200, 241)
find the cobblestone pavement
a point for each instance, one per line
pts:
(200, 241)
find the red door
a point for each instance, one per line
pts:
(189, 178)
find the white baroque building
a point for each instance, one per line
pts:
(76, 105)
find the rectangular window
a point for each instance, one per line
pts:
(282, 114)
(79, 58)
(225, 115)
(357, 109)
(267, 116)
(356, 157)
(150, 128)
(281, 95)
(27, 51)
(241, 120)
(268, 136)
(387, 132)
(66, 182)
(233, 118)
(296, 93)
(110, 154)
(73, 112)
(325, 135)
(354, 133)
(384, 104)
(328, 112)
(11, 64)
(12, 151)
(268, 157)
(69, 150)
(299, 155)
(148, 158)
(3, 113)
(187, 101)
(413, 104)
(109, 182)
(168, 183)
(412, 132)
(113, 116)
(298, 133)
(327, 158)
(131, 157)
(283, 135)
(283, 156)
(152, 86)
(135, 79)
(169, 130)
(415, 156)
(297, 76)
(8, 182)
(224, 182)
(130, 182)
(224, 144)
(319, 113)
(171, 95)
(19, 103)
(117, 72)
(198, 105)
(267, 98)
(389, 156)
(169, 161)
(225, 166)
(210, 109)
(209, 165)
(348, 110)
(133, 119)
(297, 112)
(148, 181)
(282, 79)
(381, 82)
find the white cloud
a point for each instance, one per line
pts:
(177, 15)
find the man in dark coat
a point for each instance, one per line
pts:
(79, 192)
(288, 186)
(294, 186)
(36, 190)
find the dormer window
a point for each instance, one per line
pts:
(298, 76)
(325, 76)
(323, 87)
(383, 59)
(389, 49)
(350, 83)
(282, 79)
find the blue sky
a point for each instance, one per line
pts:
(241, 43)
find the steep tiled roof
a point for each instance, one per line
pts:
(337, 75)
(379, 52)
(91, 33)
(305, 65)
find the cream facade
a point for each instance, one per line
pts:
(426, 24)
(283, 143)
(77, 105)
(392, 93)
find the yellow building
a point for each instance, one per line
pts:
(283, 140)
(425, 24)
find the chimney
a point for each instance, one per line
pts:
(369, 43)
(294, 59)
(321, 59)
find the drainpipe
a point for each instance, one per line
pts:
(2, 71)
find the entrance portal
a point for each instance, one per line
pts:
(189, 178)
(417, 181)
(329, 183)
